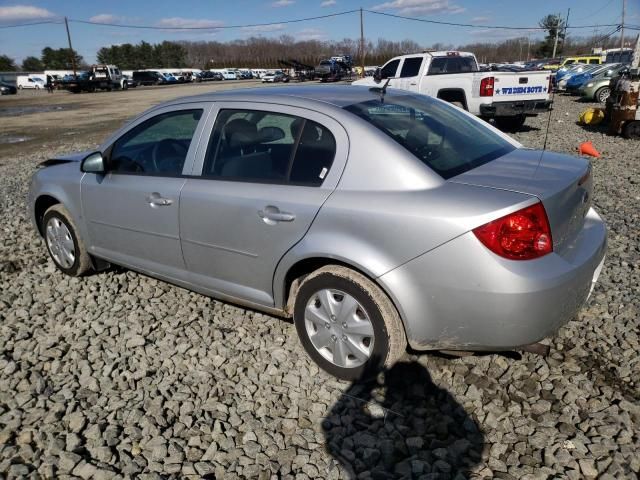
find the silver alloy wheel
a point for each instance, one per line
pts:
(339, 328)
(60, 243)
(603, 94)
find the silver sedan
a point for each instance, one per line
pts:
(374, 220)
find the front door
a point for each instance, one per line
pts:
(266, 173)
(132, 211)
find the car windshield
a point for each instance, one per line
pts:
(440, 135)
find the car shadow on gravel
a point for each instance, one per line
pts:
(401, 425)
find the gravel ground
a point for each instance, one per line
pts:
(119, 375)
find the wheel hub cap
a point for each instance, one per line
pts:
(60, 243)
(339, 328)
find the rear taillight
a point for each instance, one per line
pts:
(522, 235)
(486, 87)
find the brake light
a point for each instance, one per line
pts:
(522, 235)
(486, 87)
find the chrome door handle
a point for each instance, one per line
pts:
(272, 215)
(156, 200)
(413, 83)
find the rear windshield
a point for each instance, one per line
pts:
(453, 64)
(440, 135)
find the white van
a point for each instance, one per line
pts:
(24, 81)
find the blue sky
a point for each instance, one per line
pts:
(24, 41)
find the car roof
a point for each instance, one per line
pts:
(333, 95)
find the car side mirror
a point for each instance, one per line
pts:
(377, 75)
(93, 163)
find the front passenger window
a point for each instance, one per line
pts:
(157, 146)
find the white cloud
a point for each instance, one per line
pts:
(21, 13)
(420, 7)
(328, 3)
(480, 19)
(283, 3)
(108, 18)
(179, 22)
(311, 34)
(264, 28)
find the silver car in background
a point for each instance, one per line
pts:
(374, 220)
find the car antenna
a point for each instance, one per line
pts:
(381, 90)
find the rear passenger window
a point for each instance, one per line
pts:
(411, 67)
(594, 61)
(257, 146)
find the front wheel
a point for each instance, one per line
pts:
(347, 324)
(510, 124)
(63, 243)
(602, 94)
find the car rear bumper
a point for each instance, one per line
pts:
(462, 296)
(515, 108)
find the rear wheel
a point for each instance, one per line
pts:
(347, 324)
(63, 243)
(602, 94)
(510, 124)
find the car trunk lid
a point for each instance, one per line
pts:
(563, 183)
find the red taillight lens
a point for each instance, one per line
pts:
(522, 235)
(486, 87)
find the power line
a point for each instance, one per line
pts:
(597, 11)
(249, 25)
(46, 22)
(470, 25)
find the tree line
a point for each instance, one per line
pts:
(261, 52)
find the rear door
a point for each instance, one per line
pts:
(410, 73)
(254, 194)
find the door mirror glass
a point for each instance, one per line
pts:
(94, 163)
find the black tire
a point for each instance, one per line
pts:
(389, 342)
(510, 124)
(631, 130)
(602, 94)
(82, 261)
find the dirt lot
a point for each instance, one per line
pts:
(118, 375)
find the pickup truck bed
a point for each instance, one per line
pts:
(506, 97)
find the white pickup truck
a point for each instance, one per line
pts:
(506, 97)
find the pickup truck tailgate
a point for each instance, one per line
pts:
(515, 86)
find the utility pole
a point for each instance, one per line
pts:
(555, 43)
(624, 4)
(73, 57)
(361, 41)
(566, 24)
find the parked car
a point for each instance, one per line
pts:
(7, 89)
(576, 81)
(507, 98)
(131, 83)
(597, 88)
(228, 74)
(148, 77)
(206, 76)
(24, 81)
(561, 84)
(374, 220)
(169, 78)
(275, 77)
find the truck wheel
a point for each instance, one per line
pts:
(602, 94)
(125, 86)
(632, 130)
(510, 124)
(347, 324)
